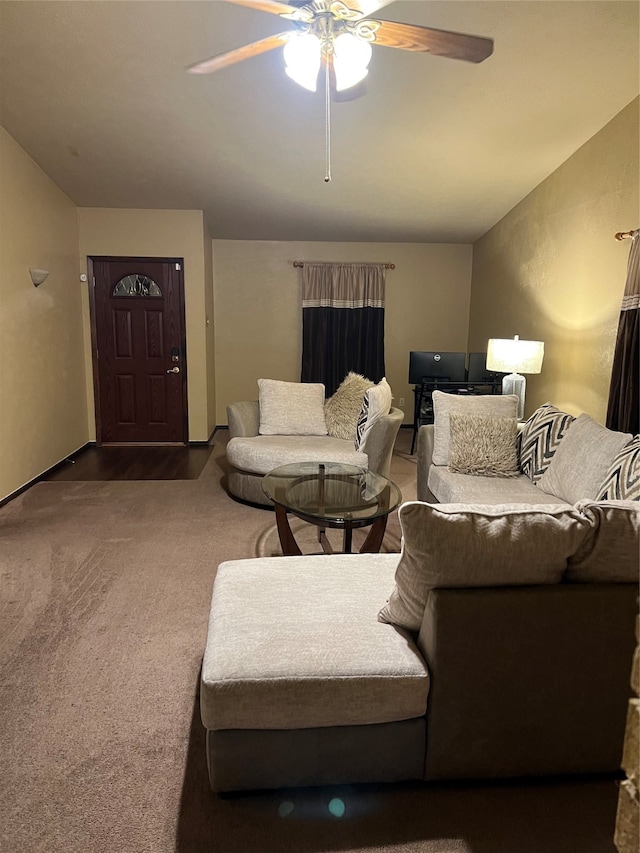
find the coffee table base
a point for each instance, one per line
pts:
(290, 547)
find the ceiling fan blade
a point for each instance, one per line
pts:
(439, 42)
(222, 60)
(295, 13)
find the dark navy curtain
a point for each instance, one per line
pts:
(342, 322)
(623, 410)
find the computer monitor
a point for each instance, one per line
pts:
(436, 365)
(477, 371)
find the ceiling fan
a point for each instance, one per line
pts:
(338, 34)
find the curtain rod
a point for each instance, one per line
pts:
(622, 234)
(301, 264)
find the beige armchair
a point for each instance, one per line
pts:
(250, 456)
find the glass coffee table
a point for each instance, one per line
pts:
(329, 494)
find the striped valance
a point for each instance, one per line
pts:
(343, 285)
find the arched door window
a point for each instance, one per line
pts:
(136, 285)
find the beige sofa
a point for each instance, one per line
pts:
(558, 458)
(497, 665)
(437, 484)
(251, 456)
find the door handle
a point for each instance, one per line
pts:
(173, 370)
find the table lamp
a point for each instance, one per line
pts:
(515, 357)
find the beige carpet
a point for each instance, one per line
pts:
(104, 596)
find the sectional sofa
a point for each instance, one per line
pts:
(497, 644)
(473, 654)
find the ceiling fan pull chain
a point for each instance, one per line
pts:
(327, 135)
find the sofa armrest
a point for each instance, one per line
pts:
(243, 419)
(380, 442)
(425, 455)
(530, 680)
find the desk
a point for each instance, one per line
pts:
(423, 401)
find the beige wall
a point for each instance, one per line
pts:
(156, 233)
(42, 389)
(258, 309)
(551, 270)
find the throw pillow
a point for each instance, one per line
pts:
(539, 439)
(622, 482)
(469, 545)
(342, 409)
(376, 403)
(581, 461)
(483, 446)
(612, 551)
(501, 406)
(291, 408)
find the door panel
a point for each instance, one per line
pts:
(122, 340)
(157, 399)
(126, 399)
(153, 334)
(138, 309)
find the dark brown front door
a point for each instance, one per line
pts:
(139, 350)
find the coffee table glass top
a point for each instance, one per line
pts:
(331, 492)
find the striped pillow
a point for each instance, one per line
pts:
(622, 482)
(539, 439)
(376, 403)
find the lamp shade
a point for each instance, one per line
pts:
(507, 355)
(351, 56)
(302, 55)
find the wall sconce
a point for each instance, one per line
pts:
(515, 357)
(38, 276)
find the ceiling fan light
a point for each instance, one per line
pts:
(302, 55)
(351, 56)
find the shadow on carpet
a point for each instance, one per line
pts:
(531, 816)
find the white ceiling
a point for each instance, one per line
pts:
(438, 150)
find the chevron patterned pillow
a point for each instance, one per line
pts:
(539, 439)
(622, 482)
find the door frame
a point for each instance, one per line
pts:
(94, 341)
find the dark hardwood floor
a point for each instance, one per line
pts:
(134, 463)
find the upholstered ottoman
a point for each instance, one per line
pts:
(301, 684)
